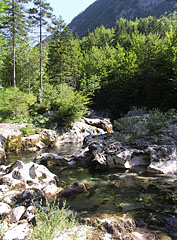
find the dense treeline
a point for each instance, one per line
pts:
(132, 64)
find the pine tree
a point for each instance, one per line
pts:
(40, 15)
(15, 28)
(62, 66)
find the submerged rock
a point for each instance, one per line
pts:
(44, 158)
(73, 189)
(82, 233)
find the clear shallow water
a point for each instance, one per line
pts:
(150, 199)
(30, 156)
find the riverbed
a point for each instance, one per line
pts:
(150, 198)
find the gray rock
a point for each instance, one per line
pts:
(104, 123)
(17, 214)
(11, 197)
(2, 149)
(163, 159)
(48, 137)
(44, 157)
(76, 133)
(29, 197)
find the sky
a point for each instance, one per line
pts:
(69, 9)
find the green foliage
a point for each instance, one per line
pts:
(128, 125)
(144, 123)
(29, 130)
(135, 63)
(62, 66)
(157, 120)
(14, 105)
(106, 12)
(66, 104)
(55, 220)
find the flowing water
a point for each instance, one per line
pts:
(150, 199)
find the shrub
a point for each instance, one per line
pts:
(156, 120)
(143, 123)
(66, 104)
(14, 105)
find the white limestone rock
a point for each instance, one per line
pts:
(29, 175)
(18, 232)
(5, 209)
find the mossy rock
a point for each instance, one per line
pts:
(14, 144)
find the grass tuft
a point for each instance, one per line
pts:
(52, 221)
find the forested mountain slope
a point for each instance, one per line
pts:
(107, 12)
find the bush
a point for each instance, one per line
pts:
(157, 120)
(66, 105)
(140, 122)
(14, 105)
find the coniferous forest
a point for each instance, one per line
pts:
(59, 77)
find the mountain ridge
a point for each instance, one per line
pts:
(107, 12)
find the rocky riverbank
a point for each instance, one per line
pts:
(139, 140)
(141, 144)
(12, 138)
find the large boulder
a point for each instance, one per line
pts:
(76, 133)
(46, 138)
(11, 139)
(8, 130)
(25, 176)
(163, 159)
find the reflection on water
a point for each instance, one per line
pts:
(30, 156)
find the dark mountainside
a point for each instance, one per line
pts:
(107, 12)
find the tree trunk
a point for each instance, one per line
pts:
(41, 82)
(29, 83)
(14, 77)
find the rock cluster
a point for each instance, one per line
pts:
(138, 146)
(11, 135)
(23, 189)
(26, 187)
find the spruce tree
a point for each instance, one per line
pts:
(15, 28)
(62, 66)
(40, 15)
